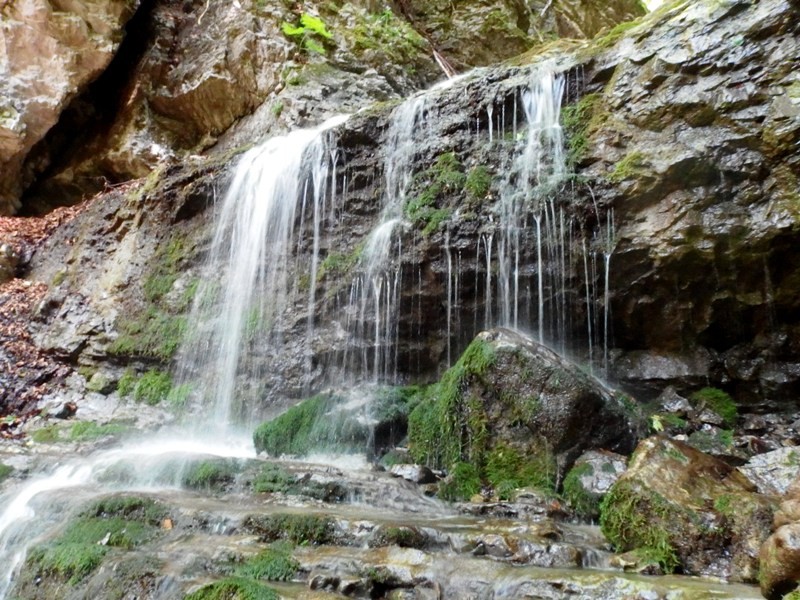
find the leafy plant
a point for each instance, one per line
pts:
(309, 33)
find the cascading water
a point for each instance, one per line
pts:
(375, 291)
(251, 267)
(251, 257)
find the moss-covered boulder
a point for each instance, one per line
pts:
(369, 421)
(684, 509)
(517, 413)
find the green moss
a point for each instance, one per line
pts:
(442, 429)
(478, 183)
(209, 475)
(609, 38)
(152, 333)
(724, 505)
(402, 536)
(46, 435)
(445, 177)
(337, 265)
(234, 588)
(384, 36)
(296, 528)
(272, 479)
(314, 424)
(633, 518)
(275, 563)
(59, 277)
(5, 471)
(71, 562)
(276, 109)
(132, 508)
(152, 387)
(718, 401)
(82, 546)
(126, 383)
(506, 469)
(628, 168)
(179, 395)
(463, 483)
(156, 329)
(580, 120)
(582, 501)
(89, 430)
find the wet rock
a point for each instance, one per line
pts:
(688, 510)
(413, 473)
(780, 562)
(773, 472)
(401, 535)
(671, 402)
(534, 400)
(589, 480)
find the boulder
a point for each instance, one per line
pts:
(684, 509)
(413, 473)
(773, 472)
(519, 413)
(590, 479)
(51, 52)
(780, 562)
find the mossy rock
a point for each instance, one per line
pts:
(296, 528)
(513, 410)
(275, 563)
(403, 536)
(325, 423)
(213, 475)
(234, 588)
(274, 479)
(687, 510)
(111, 524)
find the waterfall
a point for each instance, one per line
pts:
(375, 291)
(247, 284)
(251, 267)
(530, 187)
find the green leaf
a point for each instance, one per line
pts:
(315, 25)
(313, 46)
(292, 30)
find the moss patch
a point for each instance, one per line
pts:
(210, 475)
(629, 167)
(123, 523)
(463, 482)
(718, 401)
(582, 501)
(5, 471)
(275, 563)
(89, 430)
(273, 479)
(296, 528)
(580, 120)
(427, 209)
(234, 588)
(156, 329)
(314, 424)
(632, 518)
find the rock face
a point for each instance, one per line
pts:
(660, 321)
(696, 151)
(51, 51)
(509, 403)
(685, 509)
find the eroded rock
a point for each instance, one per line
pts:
(682, 508)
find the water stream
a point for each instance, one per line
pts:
(268, 237)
